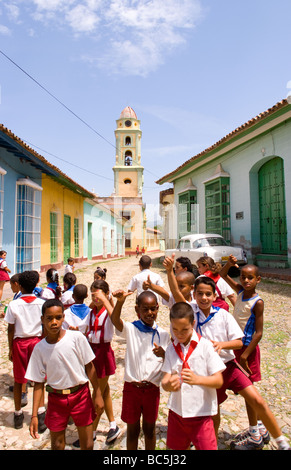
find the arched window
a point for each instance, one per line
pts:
(127, 140)
(128, 158)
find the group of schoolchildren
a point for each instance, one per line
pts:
(60, 345)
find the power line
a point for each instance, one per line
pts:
(70, 111)
(55, 98)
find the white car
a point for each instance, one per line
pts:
(207, 244)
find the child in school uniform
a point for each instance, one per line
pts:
(99, 334)
(4, 270)
(101, 273)
(23, 316)
(146, 344)
(192, 373)
(219, 326)
(69, 268)
(15, 287)
(248, 312)
(52, 290)
(69, 281)
(136, 283)
(63, 359)
(183, 283)
(207, 267)
(76, 316)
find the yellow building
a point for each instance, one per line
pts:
(61, 221)
(128, 181)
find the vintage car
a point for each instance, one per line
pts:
(207, 244)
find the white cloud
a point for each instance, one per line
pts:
(4, 30)
(138, 35)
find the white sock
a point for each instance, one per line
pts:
(112, 424)
(18, 412)
(41, 410)
(254, 431)
(282, 442)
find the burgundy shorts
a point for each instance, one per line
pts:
(233, 379)
(78, 405)
(184, 431)
(140, 401)
(254, 362)
(21, 352)
(104, 361)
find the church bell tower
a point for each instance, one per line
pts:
(128, 172)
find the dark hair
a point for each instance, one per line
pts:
(182, 310)
(53, 275)
(185, 263)
(146, 294)
(2, 251)
(70, 279)
(80, 291)
(205, 280)
(101, 272)
(100, 284)
(145, 261)
(14, 278)
(51, 303)
(187, 276)
(70, 260)
(28, 280)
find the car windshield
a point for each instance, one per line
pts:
(211, 241)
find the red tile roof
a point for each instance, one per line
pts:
(228, 137)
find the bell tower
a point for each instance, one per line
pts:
(128, 172)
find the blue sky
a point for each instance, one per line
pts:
(193, 71)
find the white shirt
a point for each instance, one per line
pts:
(71, 319)
(67, 297)
(221, 327)
(48, 294)
(26, 317)
(137, 281)
(108, 328)
(61, 364)
(68, 269)
(140, 361)
(194, 400)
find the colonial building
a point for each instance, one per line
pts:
(42, 213)
(240, 188)
(126, 198)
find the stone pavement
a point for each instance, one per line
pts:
(276, 360)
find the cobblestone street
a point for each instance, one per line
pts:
(275, 366)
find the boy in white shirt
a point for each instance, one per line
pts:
(63, 359)
(146, 344)
(192, 373)
(23, 316)
(136, 283)
(220, 327)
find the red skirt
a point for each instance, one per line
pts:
(104, 361)
(4, 276)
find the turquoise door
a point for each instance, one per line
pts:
(273, 225)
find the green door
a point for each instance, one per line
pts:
(272, 207)
(67, 238)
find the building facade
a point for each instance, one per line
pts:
(239, 188)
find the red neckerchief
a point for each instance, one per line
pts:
(97, 315)
(178, 350)
(28, 298)
(213, 276)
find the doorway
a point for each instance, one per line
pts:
(273, 227)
